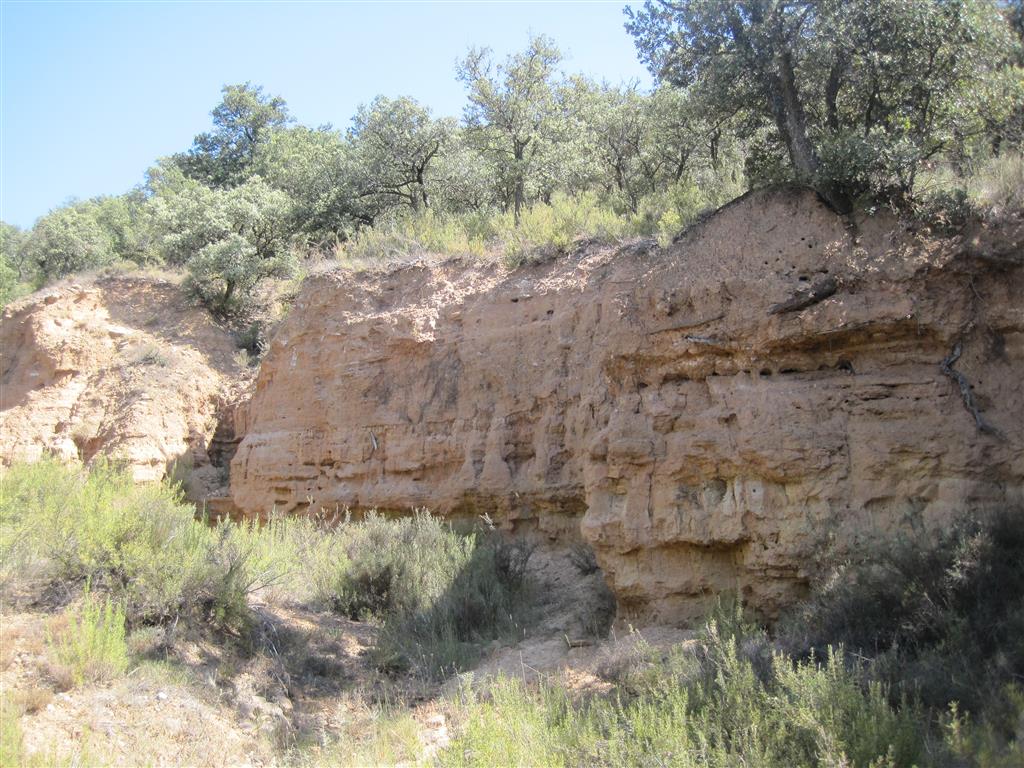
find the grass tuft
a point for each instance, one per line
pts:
(92, 647)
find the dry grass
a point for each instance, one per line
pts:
(31, 699)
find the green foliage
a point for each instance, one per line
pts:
(301, 559)
(512, 113)
(12, 740)
(439, 594)
(395, 144)
(862, 100)
(400, 238)
(92, 648)
(69, 240)
(229, 240)
(997, 186)
(141, 543)
(712, 708)
(553, 228)
(924, 611)
(17, 274)
(857, 94)
(243, 121)
(544, 229)
(314, 169)
(950, 612)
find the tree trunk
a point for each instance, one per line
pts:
(519, 190)
(832, 87)
(421, 182)
(801, 153)
(791, 120)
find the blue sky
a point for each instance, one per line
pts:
(92, 93)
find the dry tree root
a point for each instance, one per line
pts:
(946, 366)
(819, 292)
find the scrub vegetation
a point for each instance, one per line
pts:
(914, 106)
(910, 656)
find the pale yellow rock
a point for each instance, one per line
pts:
(647, 401)
(118, 367)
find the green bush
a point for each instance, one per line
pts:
(402, 237)
(68, 240)
(299, 559)
(924, 611)
(439, 594)
(710, 708)
(61, 524)
(948, 197)
(553, 228)
(93, 647)
(998, 184)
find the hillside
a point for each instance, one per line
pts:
(124, 367)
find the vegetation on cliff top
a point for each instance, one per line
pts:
(917, 105)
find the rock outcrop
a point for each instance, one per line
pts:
(119, 367)
(711, 416)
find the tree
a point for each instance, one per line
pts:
(314, 167)
(463, 179)
(12, 241)
(857, 93)
(395, 142)
(512, 112)
(229, 240)
(16, 276)
(243, 121)
(67, 240)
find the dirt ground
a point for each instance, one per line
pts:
(303, 691)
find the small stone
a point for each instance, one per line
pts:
(161, 696)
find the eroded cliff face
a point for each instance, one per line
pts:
(118, 367)
(651, 402)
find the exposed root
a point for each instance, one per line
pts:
(819, 292)
(946, 366)
(707, 341)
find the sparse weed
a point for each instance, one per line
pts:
(92, 646)
(390, 738)
(148, 353)
(946, 198)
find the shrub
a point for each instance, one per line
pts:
(998, 185)
(709, 708)
(69, 239)
(402, 237)
(438, 593)
(300, 559)
(92, 648)
(546, 229)
(61, 524)
(924, 611)
(947, 197)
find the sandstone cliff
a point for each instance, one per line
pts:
(120, 367)
(708, 417)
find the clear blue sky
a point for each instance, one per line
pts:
(92, 93)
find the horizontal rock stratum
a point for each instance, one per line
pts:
(716, 416)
